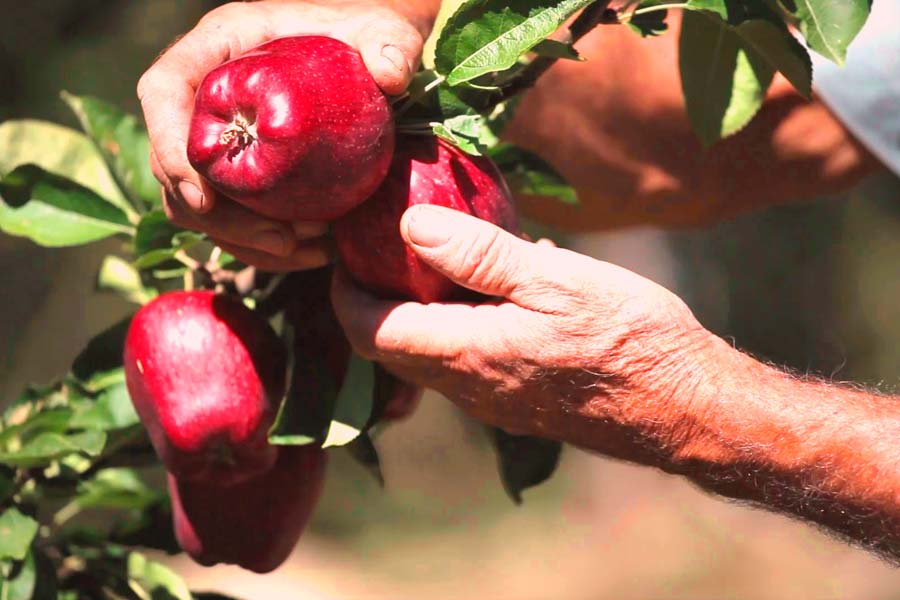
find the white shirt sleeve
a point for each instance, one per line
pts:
(865, 92)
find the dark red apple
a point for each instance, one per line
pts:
(425, 170)
(294, 129)
(205, 374)
(254, 524)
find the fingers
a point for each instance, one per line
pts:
(311, 254)
(232, 223)
(166, 92)
(480, 255)
(392, 49)
(392, 332)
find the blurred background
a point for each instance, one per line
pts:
(814, 287)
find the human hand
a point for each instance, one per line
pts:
(572, 348)
(389, 36)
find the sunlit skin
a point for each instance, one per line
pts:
(581, 350)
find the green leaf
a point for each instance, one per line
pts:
(99, 365)
(555, 49)
(110, 410)
(775, 44)
(154, 231)
(157, 240)
(32, 578)
(524, 461)
(353, 406)
(723, 80)
(363, 451)
(47, 447)
(647, 20)
(54, 420)
(528, 174)
(59, 150)
(117, 489)
(123, 142)
(121, 277)
(830, 25)
(148, 528)
(484, 36)
(151, 580)
(17, 531)
(317, 348)
(470, 133)
(54, 211)
(20, 583)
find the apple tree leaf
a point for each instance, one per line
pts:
(363, 451)
(829, 25)
(116, 488)
(99, 364)
(353, 406)
(123, 143)
(528, 174)
(109, 409)
(17, 531)
(524, 461)
(150, 580)
(121, 277)
(556, 49)
(32, 578)
(775, 44)
(648, 19)
(724, 81)
(60, 150)
(485, 36)
(54, 211)
(48, 446)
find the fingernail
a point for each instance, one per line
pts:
(305, 230)
(427, 226)
(191, 194)
(272, 241)
(395, 56)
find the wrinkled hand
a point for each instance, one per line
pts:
(390, 44)
(573, 348)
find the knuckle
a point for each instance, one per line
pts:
(486, 261)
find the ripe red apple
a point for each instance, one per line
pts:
(425, 170)
(254, 524)
(205, 374)
(294, 129)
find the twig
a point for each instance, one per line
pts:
(595, 14)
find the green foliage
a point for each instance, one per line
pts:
(124, 145)
(829, 25)
(524, 461)
(528, 174)
(54, 211)
(723, 88)
(17, 531)
(485, 36)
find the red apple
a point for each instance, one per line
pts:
(425, 170)
(205, 374)
(294, 129)
(254, 524)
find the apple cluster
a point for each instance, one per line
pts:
(295, 129)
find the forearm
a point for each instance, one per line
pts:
(824, 453)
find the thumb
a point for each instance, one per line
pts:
(474, 253)
(392, 49)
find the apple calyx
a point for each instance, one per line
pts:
(239, 135)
